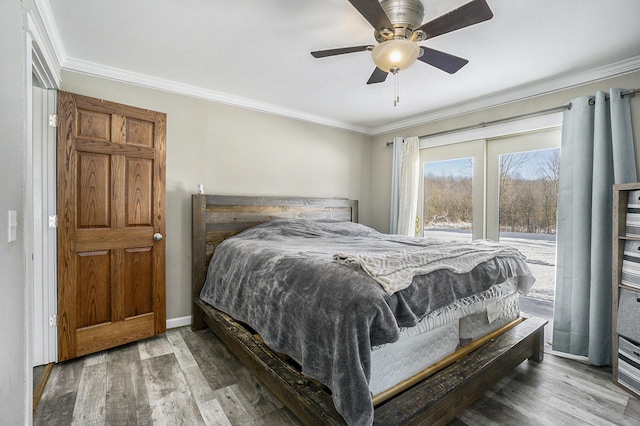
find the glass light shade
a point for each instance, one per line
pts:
(396, 54)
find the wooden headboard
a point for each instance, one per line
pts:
(217, 217)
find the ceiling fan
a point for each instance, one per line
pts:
(398, 29)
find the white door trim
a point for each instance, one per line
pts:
(40, 201)
(43, 205)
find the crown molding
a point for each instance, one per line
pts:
(143, 80)
(537, 89)
(51, 29)
(506, 97)
(526, 92)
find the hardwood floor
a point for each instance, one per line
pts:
(186, 378)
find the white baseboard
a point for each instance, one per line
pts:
(178, 322)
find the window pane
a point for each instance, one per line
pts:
(448, 199)
(528, 195)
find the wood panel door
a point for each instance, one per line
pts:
(111, 224)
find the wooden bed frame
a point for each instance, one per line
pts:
(434, 397)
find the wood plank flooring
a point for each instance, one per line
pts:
(186, 378)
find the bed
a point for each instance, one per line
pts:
(459, 376)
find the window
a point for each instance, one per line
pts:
(501, 188)
(448, 197)
(452, 191)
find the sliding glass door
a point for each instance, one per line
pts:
(522, 176)
(503, 189)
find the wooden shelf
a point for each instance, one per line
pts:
(628, 287)
(627, 238)
(620, 201)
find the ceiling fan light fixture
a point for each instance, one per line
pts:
(396, 54)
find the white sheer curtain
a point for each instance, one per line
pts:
(404, 185)
(597, 151)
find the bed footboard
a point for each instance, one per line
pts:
(305, 398)
(441, 396)
(444, 395)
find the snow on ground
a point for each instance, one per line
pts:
(540, 250)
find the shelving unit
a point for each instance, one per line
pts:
(626, 299)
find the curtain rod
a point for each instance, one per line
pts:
(512, 118)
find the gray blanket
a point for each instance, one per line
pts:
(281, 279)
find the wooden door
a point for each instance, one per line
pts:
(111, 224)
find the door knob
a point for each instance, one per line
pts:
(157, 236)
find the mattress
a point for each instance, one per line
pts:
(439, 334)
(395, 362)
(493, 316)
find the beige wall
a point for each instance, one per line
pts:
(14, 404)
(381, 154)
(236, 151)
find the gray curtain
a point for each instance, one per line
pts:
(597, 151)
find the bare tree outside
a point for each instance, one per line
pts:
(448, 196)
(529, 191)
(528, 199)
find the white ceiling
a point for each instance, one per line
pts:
(255, 53)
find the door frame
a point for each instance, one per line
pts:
(42, 236)
(494, 131)
(41, 339)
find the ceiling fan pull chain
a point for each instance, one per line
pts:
(396, 98)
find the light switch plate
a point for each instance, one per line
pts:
(13, 225)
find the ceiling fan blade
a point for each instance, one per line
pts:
(444, 61)
(378, 76)
(340, 51)
(373, 13)
(468, 14)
